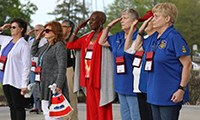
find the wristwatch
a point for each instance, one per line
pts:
(182, 88)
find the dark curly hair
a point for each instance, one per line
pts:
(21, 23)
(57, 30)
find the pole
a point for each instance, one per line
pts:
(155, 2)
(84, 15)
(3, 11)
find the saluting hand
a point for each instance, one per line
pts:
(83, 23)
(5, 26)
(30, 32)
(40, 35)
(145, 24)
(114, 22)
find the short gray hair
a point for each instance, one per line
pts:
(70, 23)
(40, 25)
(133, 14)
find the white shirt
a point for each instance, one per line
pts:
(18, 63)
(136, 71)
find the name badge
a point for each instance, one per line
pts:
(2, 62)
(88, 55)
(138, 59)
(33, 66)
(120, 65)
(149, 61)
(38, 77)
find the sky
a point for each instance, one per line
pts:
(45, 6)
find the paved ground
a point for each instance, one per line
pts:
(188, 112)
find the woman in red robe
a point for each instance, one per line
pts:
(90, 76)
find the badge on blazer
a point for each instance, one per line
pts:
(163, 44)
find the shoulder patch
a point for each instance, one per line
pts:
(183, 48)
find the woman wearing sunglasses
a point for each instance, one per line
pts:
(15, 63)
(52, 65)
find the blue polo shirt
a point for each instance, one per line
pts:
(165, 76)
(123, 82)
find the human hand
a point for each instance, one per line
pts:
(24, 91)
(177, 96)
(5, 26)
(58, 90)
(133, 25)
(144, 25)
(83, 24)
(30, 32)
(40, 35)
(114, 22)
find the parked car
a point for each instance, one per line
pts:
(195, 66)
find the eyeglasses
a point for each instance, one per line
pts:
(66, 26)
(47, 30)
(13, 27)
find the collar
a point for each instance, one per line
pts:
(166, 32)
(121, 35)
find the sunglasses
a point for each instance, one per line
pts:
(12, 27)
(47, 30)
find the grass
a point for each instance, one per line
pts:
(1, 89)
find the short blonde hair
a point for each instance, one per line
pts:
(167, 9)
(133, 14)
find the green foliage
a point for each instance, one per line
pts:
(14, 8)
(1, 89)
(72, 10)
(194, 84)
(114, 10)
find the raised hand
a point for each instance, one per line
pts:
(145, 24)
(5, 26)
(30, 32)
(133, 25)
(40, 35)
(114, 22)
(83, 23)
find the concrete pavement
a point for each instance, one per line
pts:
(188, 112)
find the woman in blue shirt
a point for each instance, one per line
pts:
(123, 68)
(169, 68)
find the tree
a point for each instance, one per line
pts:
(72, 10)
(114, 10)
(14, 8)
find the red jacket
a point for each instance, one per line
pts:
(95, 72)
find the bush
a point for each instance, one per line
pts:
(194, 90)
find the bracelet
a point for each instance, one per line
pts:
(74, 34)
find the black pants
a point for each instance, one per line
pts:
(15, 101)
(144, 107)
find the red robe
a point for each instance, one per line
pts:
(95, 75)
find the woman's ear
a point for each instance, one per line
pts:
(21, 29)
(167, 19)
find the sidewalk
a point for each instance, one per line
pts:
(188, 112)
